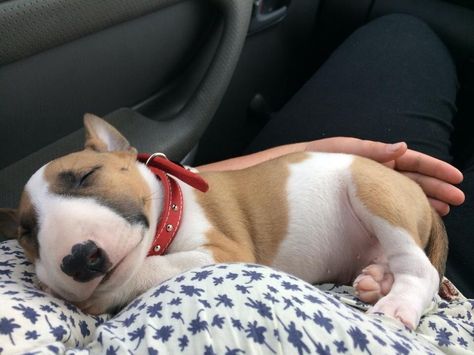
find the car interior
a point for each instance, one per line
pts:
(196, 80)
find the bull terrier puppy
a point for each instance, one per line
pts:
(102, 226)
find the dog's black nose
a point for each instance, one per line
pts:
(86, 262)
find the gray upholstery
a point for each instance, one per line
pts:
(32, 26)
(44, 97)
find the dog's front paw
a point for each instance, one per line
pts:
(398, 308)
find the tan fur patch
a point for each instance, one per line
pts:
(28, 228)
(401, 201)
(112, 178)
(8, 223)
(249, 210)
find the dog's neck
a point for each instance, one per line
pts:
(171, 213)
(156, 203)
(171, 197)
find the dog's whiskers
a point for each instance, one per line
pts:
(152, 196)
(130, 162)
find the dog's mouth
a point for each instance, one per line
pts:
(62, 294)
(45, 288)
(110, 272)
(115, 267)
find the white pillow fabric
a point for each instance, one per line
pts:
(222, 309)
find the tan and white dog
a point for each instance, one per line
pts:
(87, 221)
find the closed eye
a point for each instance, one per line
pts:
(84, 177)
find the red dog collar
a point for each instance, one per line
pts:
(170, 219)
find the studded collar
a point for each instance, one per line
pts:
(170, 218)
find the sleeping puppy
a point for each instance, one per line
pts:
(101, 227)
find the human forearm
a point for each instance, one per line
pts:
(253, 159)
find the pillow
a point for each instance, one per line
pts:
(30, 319)
(221, 309)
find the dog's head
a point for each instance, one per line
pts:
(86, 219)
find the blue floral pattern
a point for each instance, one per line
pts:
(221, 309)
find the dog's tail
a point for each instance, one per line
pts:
(437, 246)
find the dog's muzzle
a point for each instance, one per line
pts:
(86, 262)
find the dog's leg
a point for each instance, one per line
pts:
(374, 282)
(415, 278)
(395, 210)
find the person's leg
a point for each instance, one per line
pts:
(392, 80)
(460, 226)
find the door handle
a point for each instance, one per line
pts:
(267, 13)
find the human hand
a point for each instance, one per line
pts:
(435, 177)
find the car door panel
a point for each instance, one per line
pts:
(117, 67)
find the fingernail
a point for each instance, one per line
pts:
(394, 147)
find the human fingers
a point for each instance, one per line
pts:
(440, 207)
(413, 161)
(378, 151)
(437, 189)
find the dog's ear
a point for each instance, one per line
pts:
(8, 223)
(103, 137)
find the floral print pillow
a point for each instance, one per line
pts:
(30, 318)
(222, 309)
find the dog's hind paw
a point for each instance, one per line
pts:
(373, 283)
(398, 308)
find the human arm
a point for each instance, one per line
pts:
(435, 177)
(246, 161)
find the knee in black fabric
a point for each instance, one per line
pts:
(391, 80)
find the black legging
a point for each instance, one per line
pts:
(391, 80)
